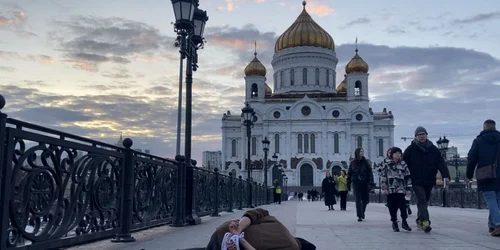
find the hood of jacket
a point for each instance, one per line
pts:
(491, 137)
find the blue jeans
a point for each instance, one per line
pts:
(492, 199)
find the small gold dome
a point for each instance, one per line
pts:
(255, 68)
(357, 64)
(304, 32)
(342, 88)
(269, 91)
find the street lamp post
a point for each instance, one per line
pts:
(189, 25)
(265, 145)
(457, 174)
(443, 147)
(248, 118)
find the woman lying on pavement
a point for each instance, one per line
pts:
(256, 229)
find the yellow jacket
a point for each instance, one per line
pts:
(342, 182)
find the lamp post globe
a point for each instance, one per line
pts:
(265, 147)
(440, 143)
(184, 12)
(445, 142)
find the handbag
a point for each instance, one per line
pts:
(488, 172)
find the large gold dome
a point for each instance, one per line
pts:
(255, 68)
(357, 64)
(304, 32)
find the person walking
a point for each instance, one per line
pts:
(424, 161)
(341, 181)
(484, 159)
(329, 191)
(395, 182)
(360, 177)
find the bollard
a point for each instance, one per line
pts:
(231, 183)
(216, 203)
(127, 197)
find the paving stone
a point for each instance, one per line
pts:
(453, 228)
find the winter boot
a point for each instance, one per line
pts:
(491, 229)
(395, 226)
(405, 226)
(419, 224)
(426, 226)
(496, 232)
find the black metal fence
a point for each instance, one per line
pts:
(59, 189)
(451, 197)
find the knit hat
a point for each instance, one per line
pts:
(420, 129)
(394, 150)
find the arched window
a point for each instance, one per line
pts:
(313, 143)
(380, 147)
(254, 146)
(336, 148)
(299, 143)
(233, 148)
(327, 77)
(292, 77)
(255, 90)
(282, 78)
(304, 76)
(277, 143)
(359, 142)
(306, 143)
(317, 76)
(357, 88)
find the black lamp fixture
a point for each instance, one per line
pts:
(265, 147)
(184, 12)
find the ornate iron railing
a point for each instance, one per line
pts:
(451, 197)
(59, 189)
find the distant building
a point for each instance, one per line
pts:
(212, 159)
(452, 151)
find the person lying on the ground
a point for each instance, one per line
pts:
(256, 229)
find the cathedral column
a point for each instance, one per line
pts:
(324, 148)
(371, 141)
(224, 148)
(347, 141)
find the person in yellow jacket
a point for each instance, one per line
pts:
(341, 181)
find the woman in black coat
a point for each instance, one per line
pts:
(329, 191)
(360, 176)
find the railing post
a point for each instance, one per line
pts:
(127, 197)
(190, 215)
(249, 197)
(231, 183)
(461, 197)
(180, 188)
(4, 179)
(215, 213)
(240, 193)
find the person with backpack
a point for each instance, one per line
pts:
(484, 159)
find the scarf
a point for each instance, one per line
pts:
(234, 238)
(423, 145)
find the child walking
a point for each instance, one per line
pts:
(395, 182)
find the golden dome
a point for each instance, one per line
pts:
(255, 68)
(304, 32)
(342, 86)
(269, 91)
(357, 64)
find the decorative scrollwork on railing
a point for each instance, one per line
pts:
(60, 190)
(204, 189)
(223, 192)
(154, 197)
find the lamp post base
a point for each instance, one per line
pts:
(193, 219)
(123, 238)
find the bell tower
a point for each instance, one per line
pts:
(357, 77)
(255, 80)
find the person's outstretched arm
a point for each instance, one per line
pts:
(245, 245)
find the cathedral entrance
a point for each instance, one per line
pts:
(336, 170)
(306, 175)
(277, 175)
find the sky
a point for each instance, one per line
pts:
(104, 68)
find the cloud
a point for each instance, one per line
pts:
(479, 18)
(45, 59)
(395, 30)
(89, 41)
(120, 73)
(362, 20)
(7, 69)
(319, 9)
(14, 18)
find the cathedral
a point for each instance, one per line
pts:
(313, 124)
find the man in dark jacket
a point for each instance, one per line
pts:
(424, 160)
(484, 152)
